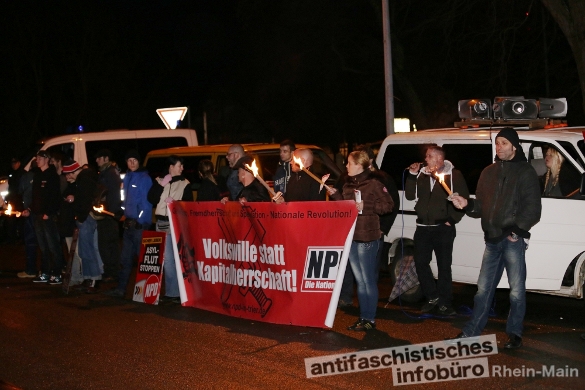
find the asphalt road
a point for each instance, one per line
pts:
(49, 340)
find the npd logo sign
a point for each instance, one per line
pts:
(321, 267)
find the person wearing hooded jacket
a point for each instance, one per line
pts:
(435, 226)
(173, 186)
(509, 204)
(283, 172)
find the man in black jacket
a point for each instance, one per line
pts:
(435, 226)
(14, 226)
(302, 187)
(108, 229)
(508, 202)
(44, 206)
(252, 190)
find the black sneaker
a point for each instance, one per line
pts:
(362, 325)
(115, 293)
(462, 338)
(341, 303)
(42, 278)
(446, 311)
(55, 280)
(430, 305)
(166, 299)
(513, 342)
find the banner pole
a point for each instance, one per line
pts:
(330, 318)
(176, 259)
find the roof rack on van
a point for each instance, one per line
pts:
(532, 124)
(512, 111)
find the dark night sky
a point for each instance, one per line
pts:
(310, 70)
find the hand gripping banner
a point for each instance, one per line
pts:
(263, 261)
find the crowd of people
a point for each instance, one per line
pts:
(58, 197)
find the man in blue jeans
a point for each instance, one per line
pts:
(138, 217)
(82, 201)
(508, 202)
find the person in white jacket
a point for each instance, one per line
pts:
(173, 186)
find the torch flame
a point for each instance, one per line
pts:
(99, 209)
(253, 168)
(298, 162)
(441, 177)
(8, 209)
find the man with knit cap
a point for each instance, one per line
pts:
(508, 203)
(138, 217)
(83, 202)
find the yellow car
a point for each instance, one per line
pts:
(267, 158)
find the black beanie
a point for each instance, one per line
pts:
(511, 135)
(132, 153)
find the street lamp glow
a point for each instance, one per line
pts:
(401, 125)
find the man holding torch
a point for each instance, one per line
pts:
(301, 186)
(253, 190)
(108, 229)
(435, 225)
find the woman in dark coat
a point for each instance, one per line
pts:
(375, 201)
(209, 189)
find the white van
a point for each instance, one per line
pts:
(82, 147)
(555, 259)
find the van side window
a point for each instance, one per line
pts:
(470, 159)
(322, 164)
(565, 183)
(268, 163)
(581, 145)
(119, 148)
(569, 148)
(67, 149)
(398, 157)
